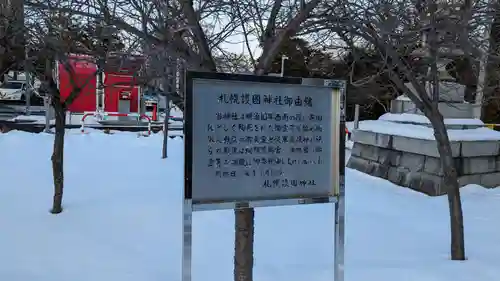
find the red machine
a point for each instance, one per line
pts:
(121, 92)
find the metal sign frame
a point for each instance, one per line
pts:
(338, 198)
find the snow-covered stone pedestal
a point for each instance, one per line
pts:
(451, 102)
(401, 148)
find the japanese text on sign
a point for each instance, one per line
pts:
(268, 142)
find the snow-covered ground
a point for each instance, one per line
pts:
(122, 221)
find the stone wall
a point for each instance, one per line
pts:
(448, 110)
(451, 102)
(415, 163)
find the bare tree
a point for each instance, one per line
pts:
(395, 29)
(195, 31)
(11, 36)
(52, 38)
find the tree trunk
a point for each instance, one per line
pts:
(448, 166)
(2, 71)
(450, 181)
(243, 244)
(58, 156)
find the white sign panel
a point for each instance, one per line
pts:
(254, 140)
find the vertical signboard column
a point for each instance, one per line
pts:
(256, 141)
(339, 230)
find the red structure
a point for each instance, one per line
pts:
(84, 75)
(121, 90)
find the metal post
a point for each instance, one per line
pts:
(283, 58)
(187, 238)
(46, 101)
(339, 232)
(140, 101)
(165, 127)
(98, 87)
(356, 116)
(28, 92)
(339, 239)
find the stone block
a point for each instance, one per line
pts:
(373, 153)
(490, 180)
(396, 106)
(395, 158)
(432, 185)
(469, 179)
(408, 107)
(360, 164)
(421, 146)
(451, 92)
(403, 106)
(372, 138)
(366, 151)
(380, 171)
(433, 166)
(357, 148)
(413, 162)
(385, 155)
(477, 165)
(425, 183)
(479, 148)
(448, 91)
(455, 110)
(452, 126)
(397, 175)
(497, 160)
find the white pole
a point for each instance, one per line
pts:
(46, 101)
(283, 58)
(356, 116)
(28, 92)
(139, 101)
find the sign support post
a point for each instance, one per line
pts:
(339, 249)
(187, 239)
(257, 141)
